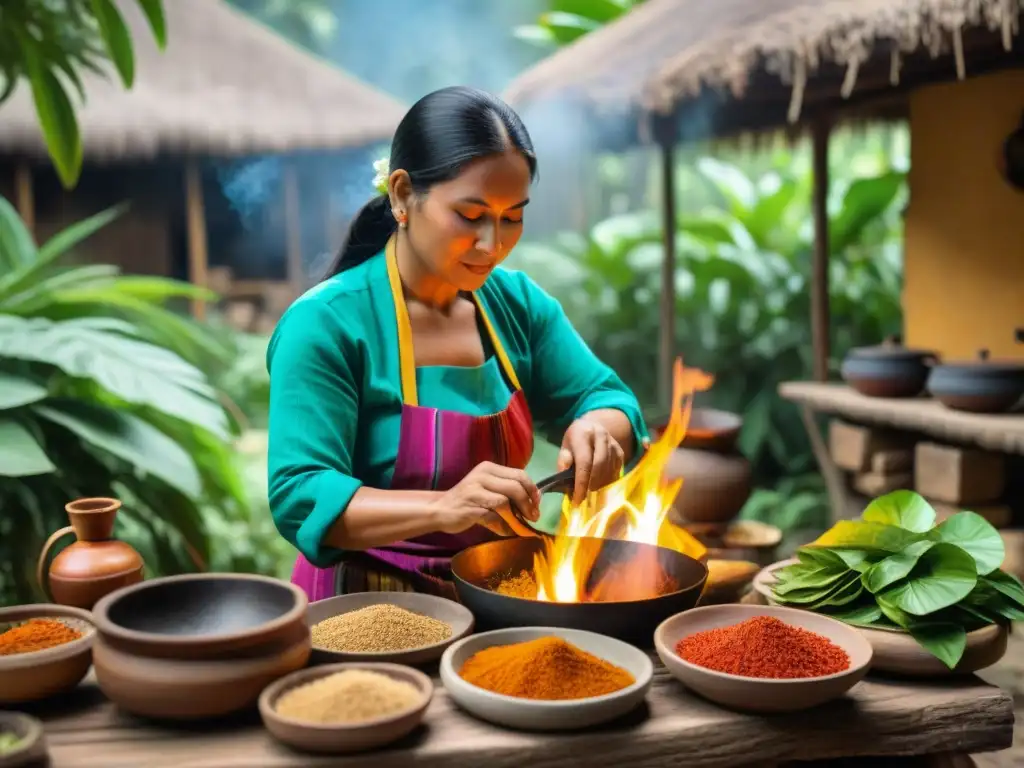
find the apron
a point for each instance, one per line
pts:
(436, 450)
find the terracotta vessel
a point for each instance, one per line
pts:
(96, 564)
(715, 485)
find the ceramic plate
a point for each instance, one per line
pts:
(455, 615)
(758, 694)
(534, 715)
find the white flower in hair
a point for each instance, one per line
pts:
(380, 181)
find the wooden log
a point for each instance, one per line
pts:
(873, 484)
(958, 475)
(888, 462)
(820, 312)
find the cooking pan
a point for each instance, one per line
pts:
(477, 569)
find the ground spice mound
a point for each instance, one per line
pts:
(764, 647)
(378, 629)
(36, 635)
(523, 585)
(351, 696)
(546, 668)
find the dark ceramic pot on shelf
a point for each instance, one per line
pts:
(888, 369)
(982, 385)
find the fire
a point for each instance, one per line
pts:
(634, 508)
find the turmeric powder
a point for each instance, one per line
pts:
(547, 668)
(36, 635)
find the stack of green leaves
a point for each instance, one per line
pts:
(895, 569)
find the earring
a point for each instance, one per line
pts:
(401, 219)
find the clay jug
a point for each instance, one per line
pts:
(96, 564)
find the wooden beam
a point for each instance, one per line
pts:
(819, 267)
(667, 341)
(293, 228)
(198, 248)
(24, 195)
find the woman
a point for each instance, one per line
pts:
(404, 388)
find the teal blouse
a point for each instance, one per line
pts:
(336, 396)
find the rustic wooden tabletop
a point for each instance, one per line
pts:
(878, 717)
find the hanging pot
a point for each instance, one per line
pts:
(888, 369)
(982, 385)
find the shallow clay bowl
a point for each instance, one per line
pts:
(202, 616)
(898, 653)
(351, 737)
(759, 694)
(727, 581)
(451, 613)
(537, 715)
(31, 748)
(712, 430)
(49, 672)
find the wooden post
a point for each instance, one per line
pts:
(665, 133)
(819, 268)
(198, 253)
(293, 228)
(24, 196)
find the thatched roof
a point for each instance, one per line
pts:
(778, 55)
(225, 85)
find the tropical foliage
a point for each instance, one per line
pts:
(49, 43)
(568, 20)
(102, 394)
(894, 568)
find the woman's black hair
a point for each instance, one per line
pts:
(438, 136)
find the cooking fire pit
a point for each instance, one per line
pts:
(479, 570)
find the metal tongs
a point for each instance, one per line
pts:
(511, 523)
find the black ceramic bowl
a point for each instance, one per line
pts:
(203, 615)
(887, 370)
(978, 387)
(479, 568)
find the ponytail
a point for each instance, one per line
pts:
(367, 235)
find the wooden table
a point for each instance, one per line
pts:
(877, 718)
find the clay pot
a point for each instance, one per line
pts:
(96, 564)
(888, 370)
(49, 672)
(715, 485)
(712, 430)
(979, 386)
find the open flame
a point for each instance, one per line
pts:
(633, 508)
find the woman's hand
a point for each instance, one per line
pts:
(483, 493)
(597, 456)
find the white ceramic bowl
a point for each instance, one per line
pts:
(759, 694)
(451, 613)
(534, 715)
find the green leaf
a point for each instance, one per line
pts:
(1007, 584)
(128, 438)
(868, 536)
(75, 233)
(942, 576)
(976, 535)
(117, 39)
(859, 615)
(865, 201)
(137, 372)
(816, 578)
(16, 245)
(905, 509)
(534, 34)
(567, 27)
(56, 116)
(154, 11)
(894, 567)
(601, 11)
(17, 391)
(944, 641)
(20, 454)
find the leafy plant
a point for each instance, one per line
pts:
(895, 569)
(568, 20)
(48, 43)
(101, 394)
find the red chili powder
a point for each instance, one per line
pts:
(764, 647)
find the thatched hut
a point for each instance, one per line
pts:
(953, 68)
(225, 87)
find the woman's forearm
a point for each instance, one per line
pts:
(376, 518)
(618, 426)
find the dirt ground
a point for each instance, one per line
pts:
(1009, 675)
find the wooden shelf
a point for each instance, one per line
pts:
(1003, 433)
